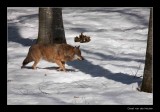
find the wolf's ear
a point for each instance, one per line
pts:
(77, 47)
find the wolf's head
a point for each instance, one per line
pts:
(77, 55)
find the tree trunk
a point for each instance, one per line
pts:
(51, 28)
(147, 76)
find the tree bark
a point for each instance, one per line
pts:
(51, 29)
(147, 76)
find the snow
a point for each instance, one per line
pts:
(115, 54)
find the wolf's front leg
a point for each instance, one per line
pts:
(59, 63)
(63, 63)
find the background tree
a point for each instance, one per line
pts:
(51, 28)
(147, 76)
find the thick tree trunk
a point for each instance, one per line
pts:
(147, 76)
(51, 28)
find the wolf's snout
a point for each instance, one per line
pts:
(81, 58)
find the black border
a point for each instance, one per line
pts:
(81, 3)
(3, 56)
(111, 3)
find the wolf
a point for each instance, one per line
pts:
(55, 53)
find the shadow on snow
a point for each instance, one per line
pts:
(14, 35)
(98, 71)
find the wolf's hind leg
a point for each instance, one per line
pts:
(35, 63)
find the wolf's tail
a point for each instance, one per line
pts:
(26, 61)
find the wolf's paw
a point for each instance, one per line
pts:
(60, 69)
(34, 68)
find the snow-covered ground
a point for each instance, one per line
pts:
(115, 54)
